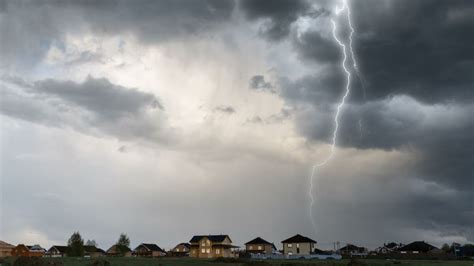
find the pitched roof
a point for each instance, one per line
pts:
(184, 244)
(61, 249)
(298, 239)
(213, 238)
(351, 247)
(93, 249)
(258, 240)
(4, 244)
(151, 247)
(420, 246)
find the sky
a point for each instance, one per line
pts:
(172, 118)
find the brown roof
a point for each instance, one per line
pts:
(4, 244)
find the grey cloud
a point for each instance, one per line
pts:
(225, 109)
(258, 82)
(279, 15)
(95, 104)
(439, 133)
(28, 28)
(313, 47)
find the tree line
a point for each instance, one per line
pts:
(76, 248)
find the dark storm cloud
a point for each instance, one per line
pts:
(312, 46)
(280, 14)
(28, 27)
(258, 82)
(92, 104)
(428, 54)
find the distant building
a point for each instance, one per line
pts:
(211, 246)
(181, 250)
(260, 245)
(388, 248)
(298, 245)
(28, 251)
(93, 252)
(5, 249)
(114, 251)
(56, 251)
(353, 251)
(148, 250)
(418, 247)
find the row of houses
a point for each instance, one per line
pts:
(214, 246)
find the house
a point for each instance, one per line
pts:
(181, 250)
(211, 246)
(56, 251)
(114, 251)
(418, 247)
(93, 252)
(148, 250)
(298, 245)
(260, 245)
(388, 248)
(353, 251)
(28, 251)
(5, 249)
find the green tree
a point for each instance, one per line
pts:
(445, 247)
(75, 245)
(123, 244)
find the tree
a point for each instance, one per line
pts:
(91, 243)
(123, 244)
(445, 247)
(75, 245)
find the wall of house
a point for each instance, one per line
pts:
(298, 248)
(259, 248)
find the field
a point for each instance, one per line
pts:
(188, 261)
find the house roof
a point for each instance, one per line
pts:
(36, 248)
(298, 239)
(113, 249)
(151, 247)
(213, 238)
(258, 240)
(391, 245)
(350, 247)
(4, 244)
(184, 244)
(93, 249)
(420, 246)
(61, 249)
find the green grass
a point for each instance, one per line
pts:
(190, 261)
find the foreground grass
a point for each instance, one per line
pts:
(190, 261)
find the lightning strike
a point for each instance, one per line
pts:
(341, 103)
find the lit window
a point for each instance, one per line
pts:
(177, 249)
(290, 253)
(203, 250)
(259, 247)
(290, 245)
(218, 251)
(208, 242)
(208, 251)
(297, 245)
(250, 247)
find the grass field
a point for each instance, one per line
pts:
(189, 261)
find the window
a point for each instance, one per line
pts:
(259, 248)
(250, 247)
(290, 245)
(218, 251)
(290, 253)
(297, 245)
(208, 251)
(208, 242)
(203, 250)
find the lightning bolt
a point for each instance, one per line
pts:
(341, 104)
